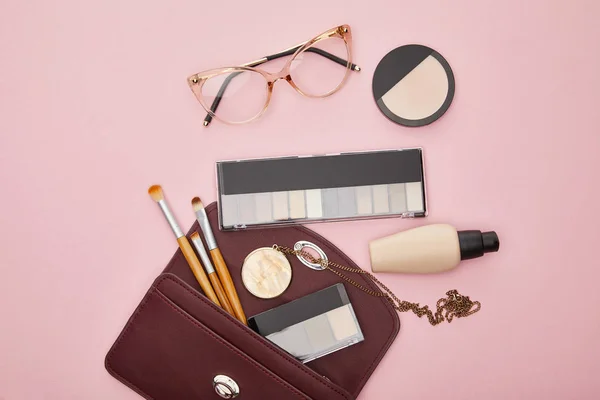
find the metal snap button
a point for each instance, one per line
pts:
(225, 387)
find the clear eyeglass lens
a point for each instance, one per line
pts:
(317, 75)
(242, 93)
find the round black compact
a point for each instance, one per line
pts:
(413, 85)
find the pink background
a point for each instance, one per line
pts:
(94, 108)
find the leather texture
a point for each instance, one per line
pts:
(177, 341)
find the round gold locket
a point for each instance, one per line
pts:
(266, 273)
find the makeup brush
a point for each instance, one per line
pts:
(218, 261)
(210, 270)
(156, 193)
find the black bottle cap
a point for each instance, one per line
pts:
(475, 244)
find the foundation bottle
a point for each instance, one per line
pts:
(429, 249)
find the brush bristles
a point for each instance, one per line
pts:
(195, 236)
(197, 204)
(155, 191)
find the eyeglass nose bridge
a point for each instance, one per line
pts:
(281, 75)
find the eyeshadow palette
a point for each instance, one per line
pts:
(311, 326)
(305, 189)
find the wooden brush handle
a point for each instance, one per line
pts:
(216, 284)
(197, 269)
(227, 282)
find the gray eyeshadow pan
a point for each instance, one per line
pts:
(329, 198)
(264, 207)
(347, 202)
(244, 201)
(281, 208)
(397, 200)
(319, 332)
(247, 208)
(229, 212)
(364, 200)
(381, 199)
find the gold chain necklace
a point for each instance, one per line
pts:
(454, 305)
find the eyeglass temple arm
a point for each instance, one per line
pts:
(219, 96)
(316, 50)
(263, 60)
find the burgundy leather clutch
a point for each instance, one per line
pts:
(177, 341)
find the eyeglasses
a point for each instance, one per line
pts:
(318, 68)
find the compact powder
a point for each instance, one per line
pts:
(413, 85)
